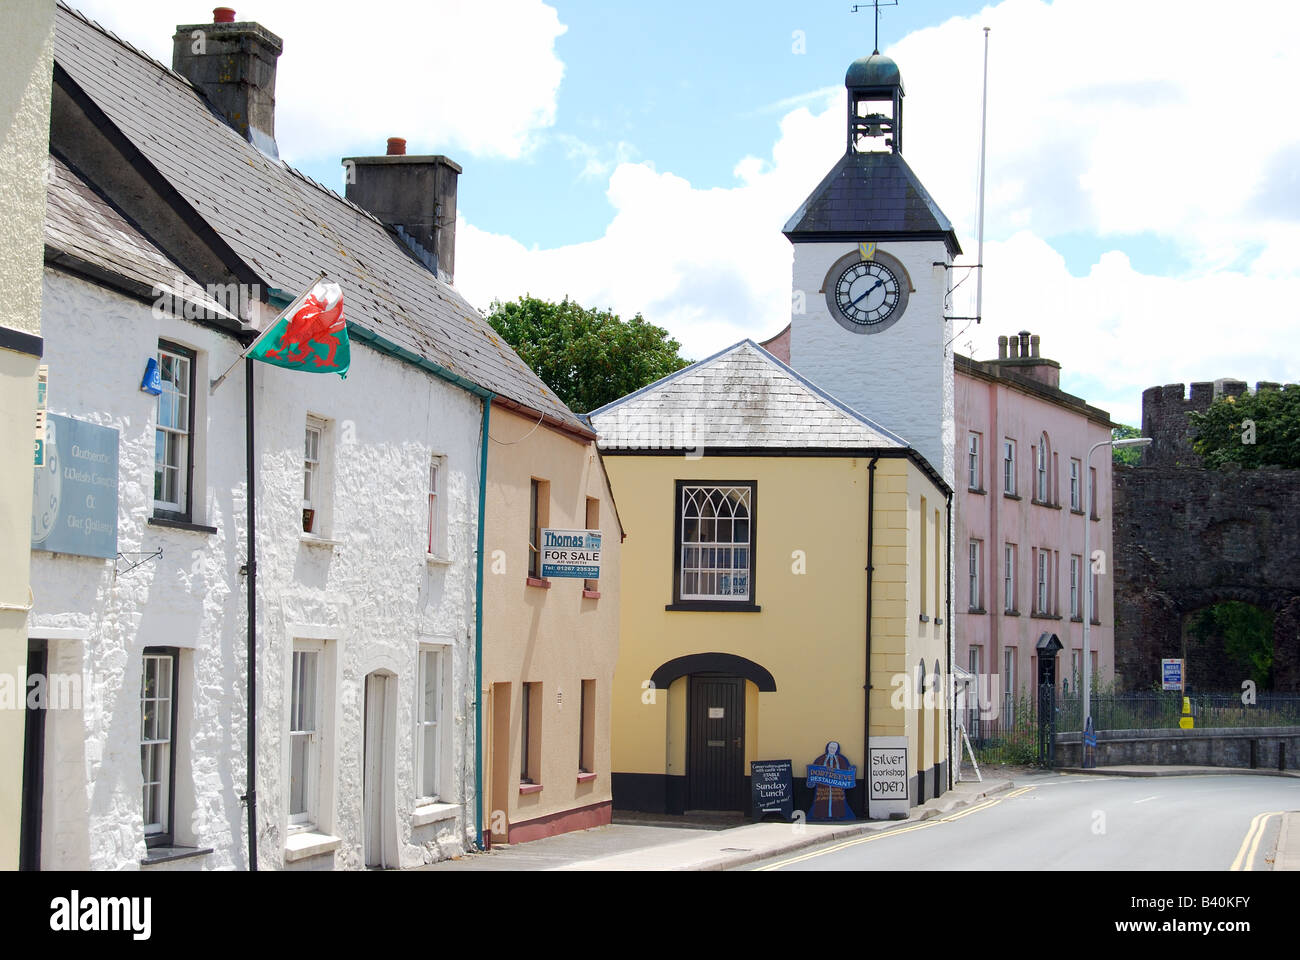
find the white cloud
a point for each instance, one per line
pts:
(1105, 117)
(477, 78)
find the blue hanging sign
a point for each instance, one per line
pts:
(74, 496)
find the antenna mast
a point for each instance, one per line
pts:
(984, 126)
(875, 4)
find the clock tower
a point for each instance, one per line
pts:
(871, 257)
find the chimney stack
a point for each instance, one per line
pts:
(233, 64)
(416, 196)
(1019, 354)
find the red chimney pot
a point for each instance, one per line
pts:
(397, 146)
(223, 15)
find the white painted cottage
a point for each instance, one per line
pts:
(366, 721)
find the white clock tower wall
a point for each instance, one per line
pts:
(901, 377)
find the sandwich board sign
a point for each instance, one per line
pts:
(772, 785)
(1171, 674)
(887, 782)
(571, 554)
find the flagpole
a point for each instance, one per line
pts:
(263, 335)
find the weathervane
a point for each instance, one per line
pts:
(877, 5)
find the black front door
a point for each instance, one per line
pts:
(29, 851)
(715, 743)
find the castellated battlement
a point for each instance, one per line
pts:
(1164, 415)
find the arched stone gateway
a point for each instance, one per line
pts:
(1186, 538)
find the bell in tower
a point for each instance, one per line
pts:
(875, 105)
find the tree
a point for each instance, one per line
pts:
(1255, 430)
(588, 357)
(1129, 455)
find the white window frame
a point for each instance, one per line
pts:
(1009, 578)
(1041, 477)
(301, 714)
(976, 474)
(177, 393)
(1076, 485)
(1009, 467)
(159, 743)
(1044, 575)
(431, 658)
(976, 551)
(689, 495)
(1009, 684)
(436, 512)
(313, 474)
(1076, 584)
(1096, 584)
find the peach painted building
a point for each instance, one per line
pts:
(1022, 502)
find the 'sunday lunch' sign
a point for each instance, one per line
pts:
(74, 496)
(772, 785)
(573, 554)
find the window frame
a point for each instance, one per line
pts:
(309, 818)
(1042, 470)
(423, 763)
(1043, 578)
(165, 835)
(539, 515)
(313, 473)
(587, 719)
(1009, 563)
(1009, 467)
(1076, 485)
(975, 553)
(182, 509)
(530, 704)
(1076, 586)
(592, 522)
(436, 504)
(975, 461)
(748, 603)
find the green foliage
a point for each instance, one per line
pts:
(588, 357)
(1129, 455)
(1247, 635)
(1224, 432)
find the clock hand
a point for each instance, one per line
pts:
(868, 293)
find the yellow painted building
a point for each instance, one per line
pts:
(750, 608)
(27, 48)
(549, 644)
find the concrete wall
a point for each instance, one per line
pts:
(810, 632)
(27, 51)
(901, 377)
(998, 411)
(371, 595)
(556, 635)
(1228, 747)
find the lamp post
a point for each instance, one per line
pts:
(1087, 558)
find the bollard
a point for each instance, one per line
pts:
(1254, 754)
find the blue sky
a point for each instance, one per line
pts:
(1142, 213)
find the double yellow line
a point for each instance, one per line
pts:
(1250, 845)
(922, 825)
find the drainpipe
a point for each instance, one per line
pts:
(250, 795)
(866, 686)
(947, 622)
(478, 629)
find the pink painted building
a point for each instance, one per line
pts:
(1021, 505)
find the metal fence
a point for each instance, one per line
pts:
(1012, 736)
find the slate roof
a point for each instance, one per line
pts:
(742, 397)
(284, 225)
(87, 231)
(870, 196)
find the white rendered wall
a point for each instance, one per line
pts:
(373, 592)
(901, 377)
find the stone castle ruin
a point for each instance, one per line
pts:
(1187, 538)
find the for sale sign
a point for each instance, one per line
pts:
(571, 554)
(1171, 674)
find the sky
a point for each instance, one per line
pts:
(1143, 173)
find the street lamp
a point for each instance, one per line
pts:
(1087, 556)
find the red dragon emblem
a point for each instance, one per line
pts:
(319, 320)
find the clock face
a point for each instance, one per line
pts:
(868, 293)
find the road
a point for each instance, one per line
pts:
(1063, 822)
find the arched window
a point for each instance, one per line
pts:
(1041, 469)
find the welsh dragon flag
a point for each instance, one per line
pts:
(311, 335)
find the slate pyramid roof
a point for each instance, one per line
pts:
(742, 397)
(871, 196)
(284, 225)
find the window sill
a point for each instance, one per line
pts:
(938, 621)
(1045, 616)
(591, 594)
(1010, 496)
(433, 560)
(979, 610)
(538, 582)
(701, 606)
(924, 618)
(1077, 513)
(980, 490)
(168, 854)
(1094, 623)
(1010, 613)
(427, 813)
(1095, 519)
(314, 541)
(305, 844)
(180, 525)
(1076, 619)
(527, 788)
(1046, 503)
(586, 777)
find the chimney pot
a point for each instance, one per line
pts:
(1033, 346)
(1002, 348)
(223, 15)
(396, 146)
(1013, 342)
